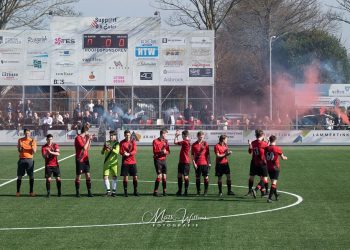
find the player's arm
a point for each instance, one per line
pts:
(33, 146)
(55, 152)
(176, 138)
(192, 156)
(250, 148)
(116, 149)
(167, 148)
(44, 152)
(134, 148)
(284, 157)
(208, 156)
(19, 145)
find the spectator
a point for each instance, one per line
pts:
(36, 123)
(224, 123)
(128, 117)
(246, 122)
(28, 109)
(188, 112)
(95, 119)
(9, 124)
(2, 121)
(191, 123)
(19, 122)
(99, 108)
(204, 115)
(213, 123)
(66, 120)
(90, 106)
(47, 123)
(171, 120)
(9, 109)
(76, 112)
(20, 107)
(58, 119)
(87, 118)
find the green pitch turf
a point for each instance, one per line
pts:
(320, 175)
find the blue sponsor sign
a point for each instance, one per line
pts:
(146, 51)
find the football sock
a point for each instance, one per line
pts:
(179, 183)
(156, 185)
(58, 184)
(48, 186)
(107, 185)
(187, 182)
(114, 184)
(273, 189)
(134, 182)
(266, 185)
(125, 185)
(19, 182)
(206, 185)
(260, 185)
(198, 185)
(220, 186)
(77, 185)
(88, 184)
(31, 185)
(250, 184)
(164, 184)
(228, 182)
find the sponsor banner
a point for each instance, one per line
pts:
(339, 90)
(12, 57)
(92, 69)
(118, 70)
(235, 137)
(65, 58)
(200, 72)
(37, 68)
(145, 137)
(145, 59)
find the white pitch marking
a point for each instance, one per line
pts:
(12, 180)
(299, 200)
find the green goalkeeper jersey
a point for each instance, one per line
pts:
(111, 157)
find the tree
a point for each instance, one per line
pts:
(198, 14)
(32, 13)
(294, 52)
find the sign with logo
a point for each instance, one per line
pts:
(200, 72)
(147, 51)
(148, 76)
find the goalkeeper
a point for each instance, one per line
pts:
(110, 151)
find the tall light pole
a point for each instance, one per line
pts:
(270, 43)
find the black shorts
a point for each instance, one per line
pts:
(274, 173)
(82, 167)
(25, 165)
(221, 169)
(202, 170)
(128, 169)
(259, 170)
(55, 171)
(183, 168)
(160, 166)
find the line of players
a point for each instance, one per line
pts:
(264, 162)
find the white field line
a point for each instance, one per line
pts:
(299, 200)
(14, 179)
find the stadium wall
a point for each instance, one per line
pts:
(235, 137)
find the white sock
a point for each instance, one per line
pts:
(114, 184)
(107, 185)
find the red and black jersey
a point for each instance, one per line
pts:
(258, 152)
(185, 151)
(129, 147)
(200, 152)
(221, 149)
(158, 148)
(81, 154)
(50, 160)
(272, 156)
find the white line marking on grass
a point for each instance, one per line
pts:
(14, 179)
(299, 200)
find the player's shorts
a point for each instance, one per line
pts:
(183, 168)
(202, 170)
(221, 169)
(113, 170)
(160, 166)
(128, 169)
(25, 165)
(259, 170)
(82, 167)
(55, 171)
(274, 173)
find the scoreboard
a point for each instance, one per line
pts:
(96, 41)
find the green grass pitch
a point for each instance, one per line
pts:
(320, 175)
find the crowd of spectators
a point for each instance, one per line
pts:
(15, 117)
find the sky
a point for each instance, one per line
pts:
(146, 8)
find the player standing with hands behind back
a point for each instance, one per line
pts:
(273, 165)
(183, 168)
(82, 145)
(27, 148)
